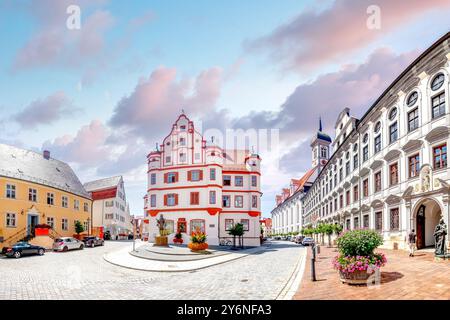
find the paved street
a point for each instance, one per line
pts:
(402, 278)
(85, 275)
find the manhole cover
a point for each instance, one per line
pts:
(244, 280)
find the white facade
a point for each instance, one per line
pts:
(389, 171)
(196, 185)
(110, 208)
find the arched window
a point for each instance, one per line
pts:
(347, 155)
(366, 138)
(437, 82)
(377, 127)
(355, 147)
(393, 114)
(412, 99)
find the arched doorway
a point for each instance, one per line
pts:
(427, 217)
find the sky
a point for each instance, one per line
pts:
(102, 95)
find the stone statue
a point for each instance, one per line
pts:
(161, 222)
(439, 235)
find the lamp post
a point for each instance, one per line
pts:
(88, 226)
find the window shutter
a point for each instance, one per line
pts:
(165, 199)
(176, 199)
(176, 176)
(200, 175)
(189, 175)
(192, 198)
(166, 175)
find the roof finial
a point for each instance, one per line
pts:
(320, 123)
(182, 111)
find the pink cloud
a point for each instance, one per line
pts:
(158, 99)
(45, 111)
(316, 38)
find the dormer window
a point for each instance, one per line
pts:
(168, 143)
(182, 141)
(183, 127)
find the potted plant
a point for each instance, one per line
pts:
(79, 228)
(178, 238)
(357, 260)
(198, 241)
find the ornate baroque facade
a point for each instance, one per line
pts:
(389, 170)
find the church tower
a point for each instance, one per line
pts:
(320, 147)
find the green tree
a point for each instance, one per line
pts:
(237, 231)
(328, 229)
(79, 228)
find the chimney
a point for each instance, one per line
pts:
(46, 154)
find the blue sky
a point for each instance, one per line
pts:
(250, 63)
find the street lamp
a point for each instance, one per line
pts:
(88, 226)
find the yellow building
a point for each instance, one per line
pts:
(37, 189)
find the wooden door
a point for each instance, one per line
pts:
(421, 227)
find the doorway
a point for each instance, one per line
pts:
(32, 221)
(427, 217)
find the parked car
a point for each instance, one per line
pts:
(67, 243)
(299, 239)
(91, 241)
(307, 241)
(23, 249)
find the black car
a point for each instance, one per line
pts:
(92, 241)
(23, 249)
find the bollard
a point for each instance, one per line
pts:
(313, 263)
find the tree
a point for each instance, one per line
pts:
(79, 228)
(237, 231)
(328, 229)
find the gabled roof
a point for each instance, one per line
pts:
(31, 166)
(102, 184)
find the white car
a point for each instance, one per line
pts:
(67, 243)
(308, 241)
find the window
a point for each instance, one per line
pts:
(341, 201)
(377, 143)
(355, 161)
(168, 159)
(153, 178)
(195, 198)
(414, 165)
(172, 199)
(64, 224)
(76, 204)
(10, 191)
(246, 224)
(356, 223)
(254, 201)
(412, 99)
(393, 114)
(366, 188)
(413, 120)
(393, 174)
(195, 175)
(377, 127)
(377, 178)
(378, 221)
(254, 181)
(347, 197)
(323, 152)
(153, 200)
(51, 222)
(340, 174)
(238, 181)
(229, 223)
(226, 201)
(171, 177)
(64, 202)
(238, 201)
(32, 195)
(394, 223)
(50, 198)
(212, 174)
(366, 138)
(347, 224)
(393, 132)
(437, 82)
(355, 193)
(11, 220)
(212, 197)
(335, 204)
(227, 180)
(169, 226)
(366, 221)
(182, 141)
(440, 156)
(183, 157)
(365, 153)
(86, 225)
(109, 216)
(197, 156)
(438, 105)
(347, 168)
(109, 204)
(198, 225)
(355, 147)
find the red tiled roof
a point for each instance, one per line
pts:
(299, 183)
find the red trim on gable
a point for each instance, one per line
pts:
(185, 167)
(240, 172)
(104, 194)
(189, 187)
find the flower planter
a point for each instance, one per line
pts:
(197, 246)
(356, 277)
(179, 241)
(161, 241)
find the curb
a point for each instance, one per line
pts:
(293, 283)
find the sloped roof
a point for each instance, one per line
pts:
(102, 184)
(31, 166)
